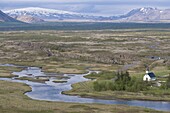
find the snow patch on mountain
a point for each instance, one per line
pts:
(37, 10)
(47, 14)
(145, 14)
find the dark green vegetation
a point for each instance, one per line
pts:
(121, 82)
(12, 100)
(79, 26)
(60, 81)
(121, 85)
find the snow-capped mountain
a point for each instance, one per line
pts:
(6, 18)
(146, 14)
(44, 13)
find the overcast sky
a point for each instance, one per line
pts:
(95, 7)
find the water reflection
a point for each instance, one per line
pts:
(51, 91)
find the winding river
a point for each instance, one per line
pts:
(51, 91)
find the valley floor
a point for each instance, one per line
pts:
(13, 100)
(77, 51)
(85, 89)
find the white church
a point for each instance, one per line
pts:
(149, 76)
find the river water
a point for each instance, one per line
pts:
(51, 91)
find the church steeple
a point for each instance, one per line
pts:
(147, 70)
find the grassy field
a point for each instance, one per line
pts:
(86, 89)
(76, 51)
(12, 100)
(5, 72)
(40, 80)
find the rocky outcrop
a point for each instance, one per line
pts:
(60, 51)
(28, 19)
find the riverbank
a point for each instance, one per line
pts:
(51, 91)
(64, 52)
(85, 89)
(13, 100)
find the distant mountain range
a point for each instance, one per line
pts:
(34, 15)
(51, 14)
(146, 14)
(5, 18)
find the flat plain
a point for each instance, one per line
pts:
(75, 52)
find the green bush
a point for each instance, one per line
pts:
(103, 85)
(123, 82)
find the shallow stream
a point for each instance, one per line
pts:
(51, 91)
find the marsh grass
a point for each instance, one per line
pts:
(12, 100)
(75, 52)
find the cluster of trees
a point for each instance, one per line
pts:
(122, 82)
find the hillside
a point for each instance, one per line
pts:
(6, 18)
(145, 14)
